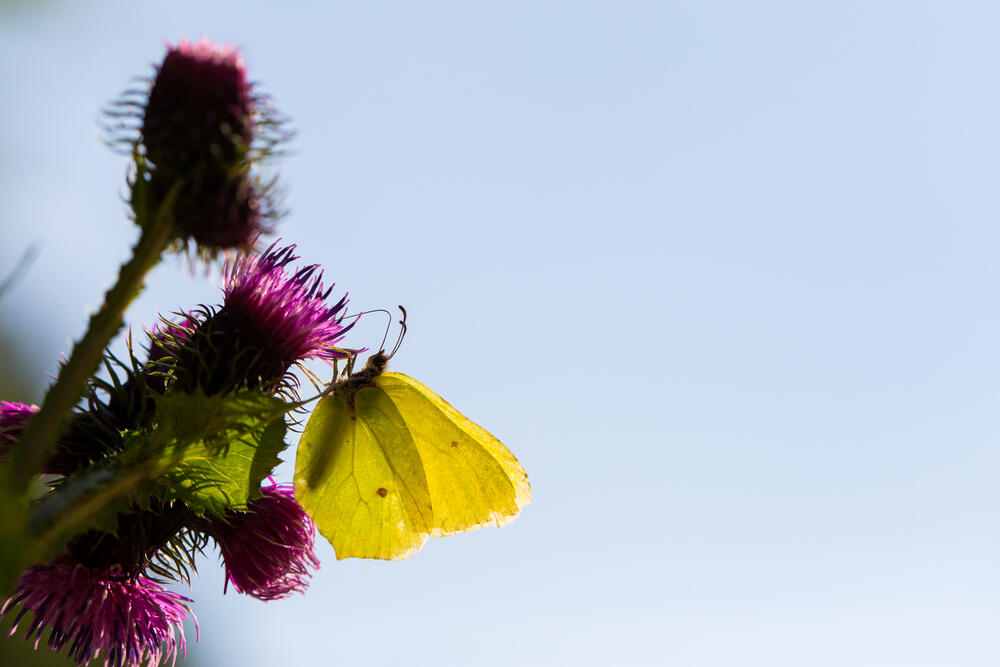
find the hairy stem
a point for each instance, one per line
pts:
(38, 439)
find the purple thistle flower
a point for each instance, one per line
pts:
(269, 320)
(197, 135)
(13, 418)
(131, 618)
(166, 336)
(200, 108)
(220, 210)
(290, 310)
(268, 549)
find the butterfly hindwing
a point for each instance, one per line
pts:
(359, 475)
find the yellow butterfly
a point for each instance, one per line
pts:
(384, 463)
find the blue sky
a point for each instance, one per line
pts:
(722, 275)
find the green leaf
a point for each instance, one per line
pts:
(220, 447)
(89, 499)
(210, 452)
(87, 492)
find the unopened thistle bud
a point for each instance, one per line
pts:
(197, 138)
(219, 210)
(200, 110)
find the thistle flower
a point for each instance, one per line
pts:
(132, 619)
(268, 321)
(115, 405)
(196, 136)
(218, 210)
(268, 548)
(290, 311)
(200, 109)
(13, 418)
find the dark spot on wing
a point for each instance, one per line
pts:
(382, 491)
(454, 444)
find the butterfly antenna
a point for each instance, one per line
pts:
(387, 326)
(352, 355)
(402, 333)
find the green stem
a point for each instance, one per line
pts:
(38, 439)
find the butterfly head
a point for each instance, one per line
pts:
(376, 364)
(350, 383)
(353, 381)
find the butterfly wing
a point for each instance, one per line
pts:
(359, 476)
(472, 479)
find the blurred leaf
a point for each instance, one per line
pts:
(20, 380)
(13, 533)
(15, 651)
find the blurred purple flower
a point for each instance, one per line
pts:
(13, 418)
(132, 619)
(269, 548)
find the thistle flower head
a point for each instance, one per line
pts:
(167, 335)
(269, 320)
(219, 210)
(132, 619)
(196, 134)
(114, 405)
(13, 418)
(290, 310)
(200, 108)
(268, 549)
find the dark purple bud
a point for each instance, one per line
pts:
(217, 210)
(200, 109)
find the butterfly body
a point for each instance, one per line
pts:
(385, 463)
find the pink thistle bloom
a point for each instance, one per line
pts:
(290, 311)
(13, 418)
(268, 548)
(134, 620)
(269, 320)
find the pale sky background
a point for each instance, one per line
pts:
(723, 275)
